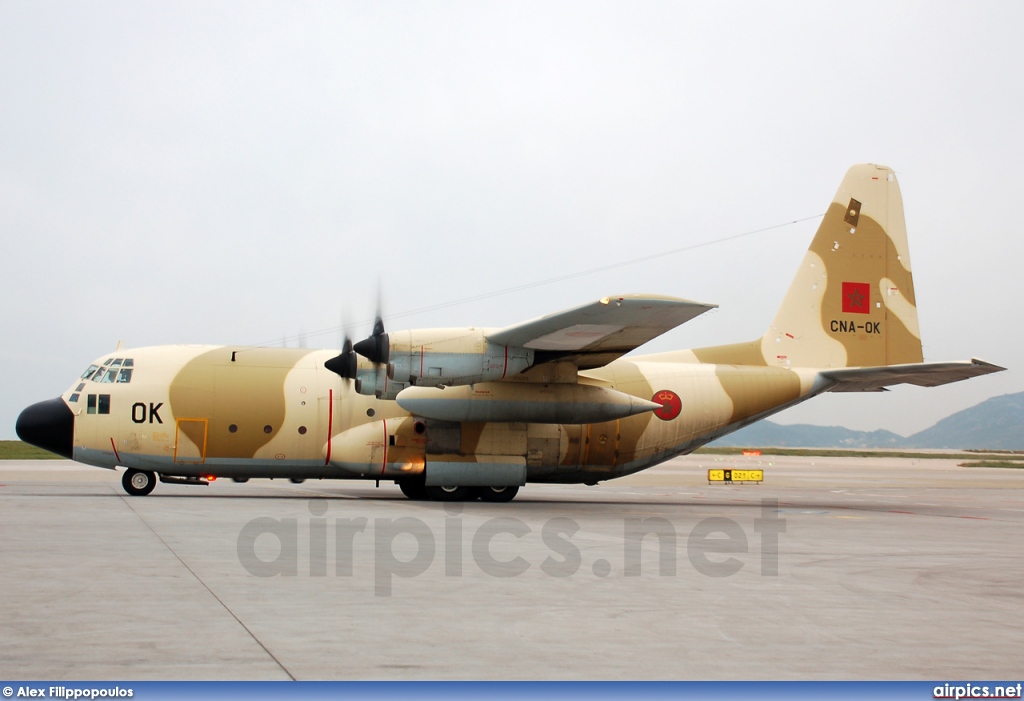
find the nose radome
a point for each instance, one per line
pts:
(49, 425)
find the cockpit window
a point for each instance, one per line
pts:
(103, 404)
(112, 371)
(73, 398)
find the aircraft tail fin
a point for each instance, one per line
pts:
(851, 303)
(850, 311)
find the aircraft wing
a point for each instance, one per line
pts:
(595, 334)
(876, 379)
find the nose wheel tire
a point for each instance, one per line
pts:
(497, 494)
(450, 493)
(138, 483)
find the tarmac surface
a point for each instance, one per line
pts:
(833, 568)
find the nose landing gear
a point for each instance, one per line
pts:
(138, 483)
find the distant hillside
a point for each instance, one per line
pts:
(996, 423)
(769, 433)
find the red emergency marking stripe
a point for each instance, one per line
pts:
(789, 335)
(505, 371)
(330, 424)
(116, 455)
(384, 465)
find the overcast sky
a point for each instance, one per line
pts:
(217, 172)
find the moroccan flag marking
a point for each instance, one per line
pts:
(856, 298)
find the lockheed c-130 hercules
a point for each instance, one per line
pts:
(466, 413)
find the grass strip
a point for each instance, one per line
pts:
(17, 450)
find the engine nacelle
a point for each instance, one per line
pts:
(374, 382)
(448, 357)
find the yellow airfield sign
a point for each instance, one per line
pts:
(731, 476)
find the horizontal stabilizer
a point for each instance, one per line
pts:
(876, 379)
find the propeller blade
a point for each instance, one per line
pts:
(377, 347)
(344, 364)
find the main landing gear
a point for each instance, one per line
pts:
(415, 488)
(497, 494)
(138, 483)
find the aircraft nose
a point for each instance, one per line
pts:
(49, 425)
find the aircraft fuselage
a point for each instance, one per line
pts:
(228, 411)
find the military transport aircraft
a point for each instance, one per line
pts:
(466, 413)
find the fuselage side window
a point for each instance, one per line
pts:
(90, 404)
(104, 404)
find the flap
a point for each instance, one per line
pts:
(605, 329)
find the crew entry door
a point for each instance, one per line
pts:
(190, 441)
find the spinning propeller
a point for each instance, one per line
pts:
(344, 364)
(376, 348)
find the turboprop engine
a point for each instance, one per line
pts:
(452, 357)
(440, 358)
(427, 358)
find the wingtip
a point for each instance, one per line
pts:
(990, 367)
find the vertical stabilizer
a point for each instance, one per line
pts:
(852, 301)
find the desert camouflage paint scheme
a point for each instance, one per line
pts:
(465, 413)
